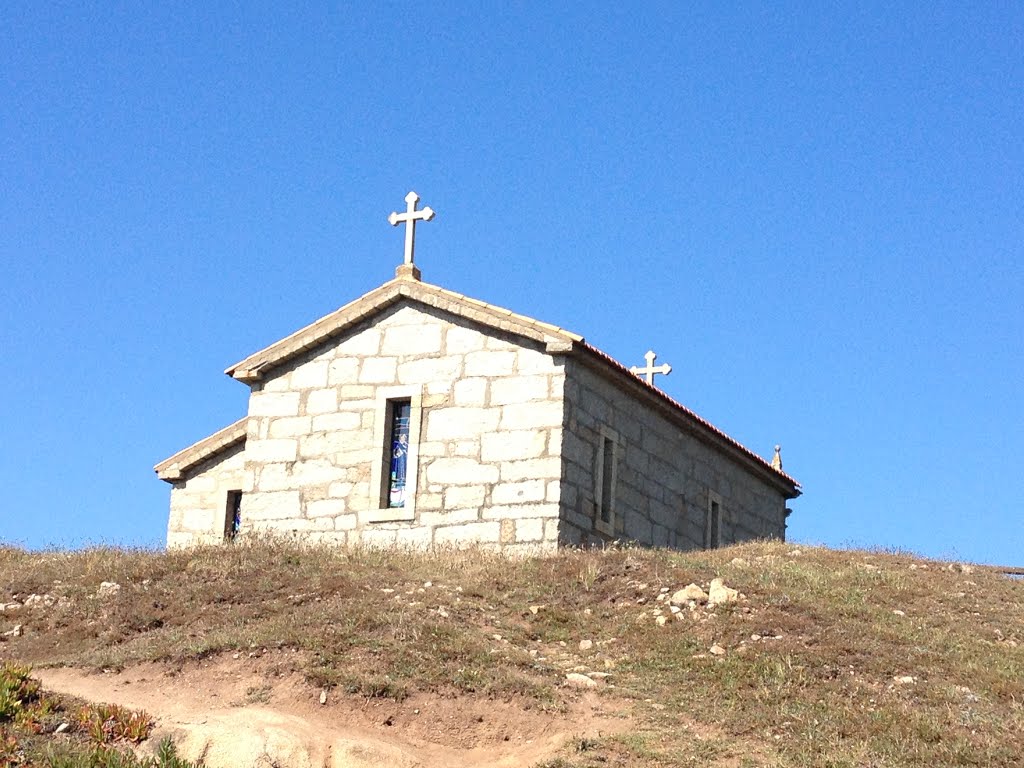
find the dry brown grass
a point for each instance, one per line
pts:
(386, 624)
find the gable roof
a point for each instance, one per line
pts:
(556, 340)
(175, 467)
(255, 366)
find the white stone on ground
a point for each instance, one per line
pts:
(718, 593)
(580, 680)
(688, 593)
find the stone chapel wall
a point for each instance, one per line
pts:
(199, 502)
(490, 436)
(663, 474)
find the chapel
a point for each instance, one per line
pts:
(417, 416)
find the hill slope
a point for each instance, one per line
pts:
(578, 660)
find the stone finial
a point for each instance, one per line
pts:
(651, 369)
(407, 272)
(777, 458)
(409, 218)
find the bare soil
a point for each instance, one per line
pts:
(226, 709)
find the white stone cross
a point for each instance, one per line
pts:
(410, 217)
(651, 369)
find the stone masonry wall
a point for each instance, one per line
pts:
(490, 436)
(199, 502)
(664, 474)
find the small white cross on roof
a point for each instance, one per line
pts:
(410, 218)
(651, 369)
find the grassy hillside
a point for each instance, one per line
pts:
(825, 658)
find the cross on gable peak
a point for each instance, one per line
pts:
(409, 218)
(651, 369)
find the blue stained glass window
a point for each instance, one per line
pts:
(400, 413)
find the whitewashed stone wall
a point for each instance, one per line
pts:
(199, 502)
(490, 441)
(663, 475)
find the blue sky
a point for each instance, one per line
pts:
(814, 215)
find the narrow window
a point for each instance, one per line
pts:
(233, 515)
(605, 471)
(399, 412)
(713, 522)
(397, 419)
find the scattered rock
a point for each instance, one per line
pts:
(579, 680)
(661, 620)
(8, 607)
(969, 696)
(899, 612)
(108, 589)
(716, 650)
(45, 600)
(61, 728)
(586, 645)
(905, 680)
(535, 609)
(691, 592)
(16, 632)
(738, 561)
(323, 696)
(718, 593)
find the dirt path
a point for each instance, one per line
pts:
(233, 712)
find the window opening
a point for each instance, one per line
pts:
(605, 460)
(397, 419)
(233, 515)
(715, 525)
(398, 431)
(607, 470)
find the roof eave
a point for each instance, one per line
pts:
(703, 430)
(174, 468)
